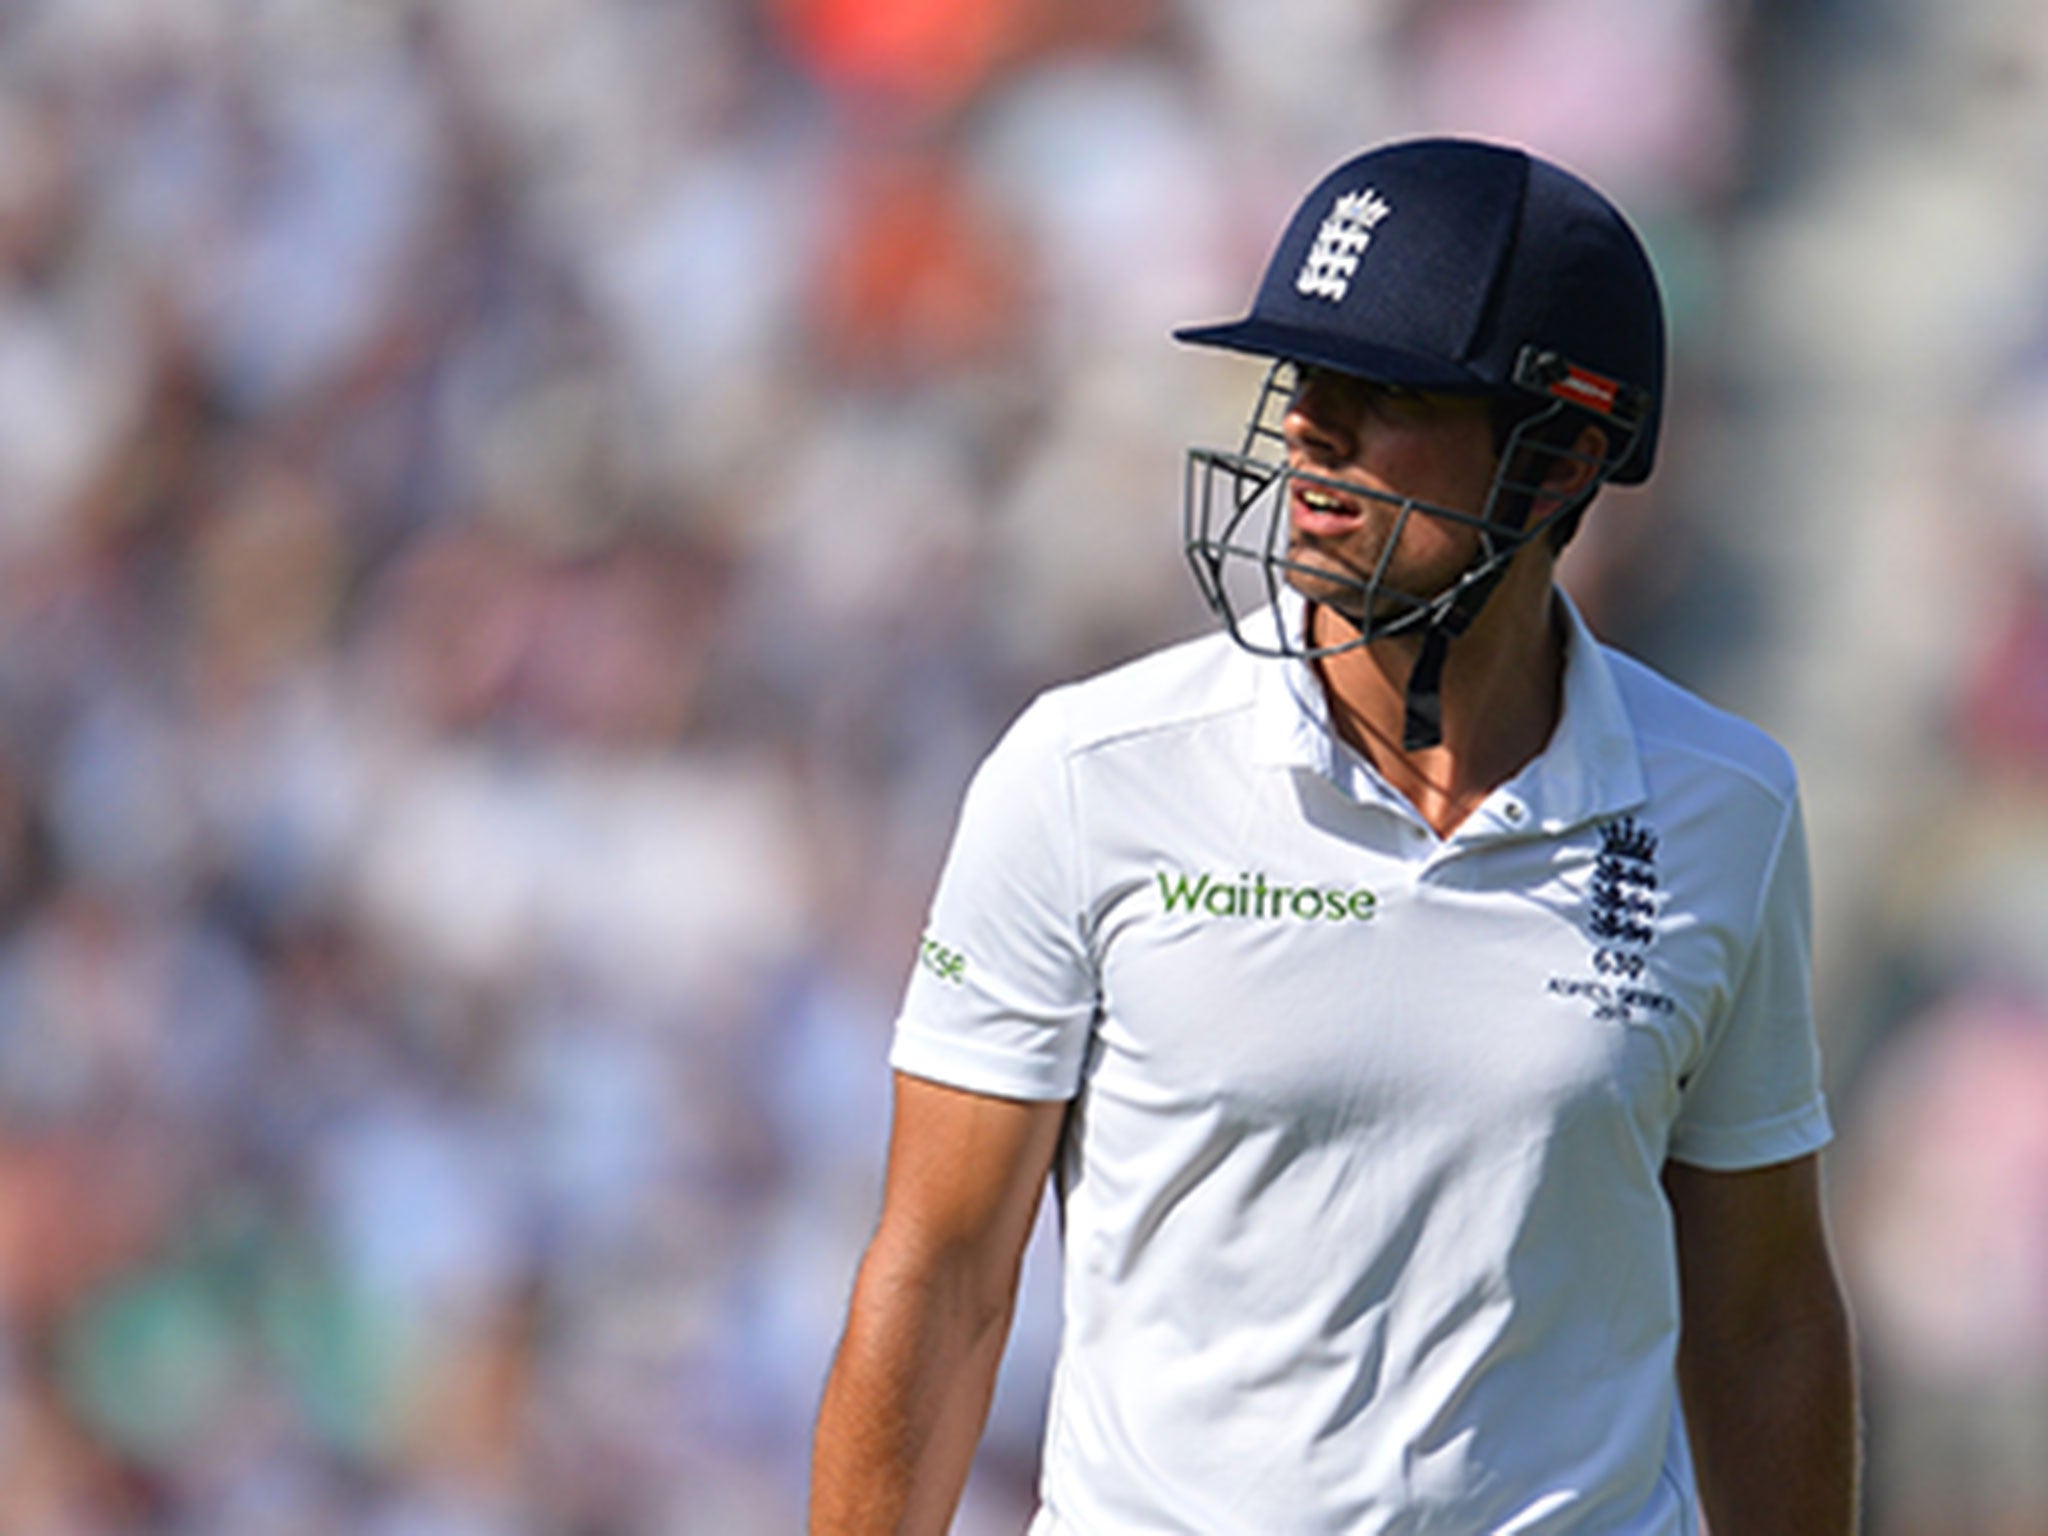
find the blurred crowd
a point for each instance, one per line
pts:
(1900, 402)
(517, 518)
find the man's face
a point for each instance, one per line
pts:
(1349, 432)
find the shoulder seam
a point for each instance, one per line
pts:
(1110, 736)
(1649, 732)
(1782, 793)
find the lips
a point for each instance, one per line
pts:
(1320, 512)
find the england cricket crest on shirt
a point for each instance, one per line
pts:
(1623, 900)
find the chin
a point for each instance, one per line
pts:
(1342, 598)
(1334, 592)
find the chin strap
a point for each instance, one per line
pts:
(1424, 725)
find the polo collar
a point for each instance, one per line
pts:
(1589, 769)
(1291, 714)
(1592, 766)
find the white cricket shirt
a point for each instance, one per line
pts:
(1362, 1219)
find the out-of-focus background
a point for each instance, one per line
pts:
(517, 518)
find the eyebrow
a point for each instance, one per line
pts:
(1359, 383)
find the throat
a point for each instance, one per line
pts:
(1500, 705)
(1441, 784)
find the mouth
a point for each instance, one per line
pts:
(1321, 513)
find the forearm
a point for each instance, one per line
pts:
(1773, 1424)
(905, 1403)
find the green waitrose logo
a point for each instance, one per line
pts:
(1252, 895)
(943, 961)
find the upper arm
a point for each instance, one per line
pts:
(910, 1384)
(1766, 1362)
(966, 1172)
(1753, 1252)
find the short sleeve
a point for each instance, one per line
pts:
(1003, 994)
(1756, 1097)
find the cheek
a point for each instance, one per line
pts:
(1454, 488)
(1445, 466)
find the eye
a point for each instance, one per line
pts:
(1346, 390)
(1308, 376)
(1399, 399)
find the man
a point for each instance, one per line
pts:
(1410, 999)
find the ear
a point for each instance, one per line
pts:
(1572, 472)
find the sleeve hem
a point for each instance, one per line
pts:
(978, 1069)
(1758, 1144)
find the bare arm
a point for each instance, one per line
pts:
(1765, 1361)
(909, 1389)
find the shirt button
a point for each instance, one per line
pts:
(1515, 811)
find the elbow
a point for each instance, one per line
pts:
(960, 1287)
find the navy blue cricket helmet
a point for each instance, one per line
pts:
(1453, 266)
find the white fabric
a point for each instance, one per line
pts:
(1362, 1216)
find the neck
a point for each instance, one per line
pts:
(1502, 694)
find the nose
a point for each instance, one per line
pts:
(1315, 425)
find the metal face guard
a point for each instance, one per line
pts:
(1236, 528)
